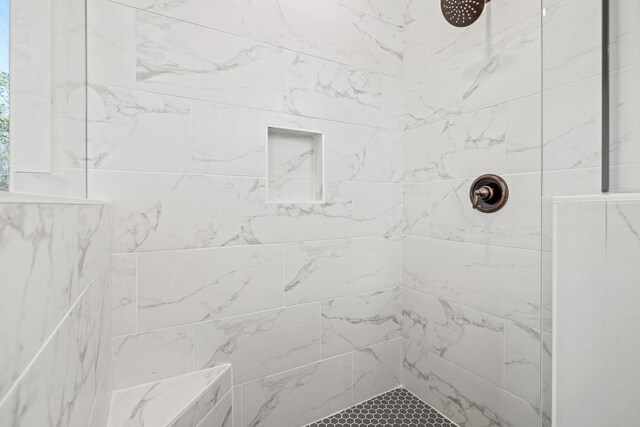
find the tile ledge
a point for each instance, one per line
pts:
(12, 197)
(599, 198)
(175, 396)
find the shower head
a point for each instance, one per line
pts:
(462, 13)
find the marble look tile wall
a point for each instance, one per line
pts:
(303, 299)
(472, 287)
(56, 314)
(595, 272)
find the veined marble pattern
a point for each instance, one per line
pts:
(231, 141)
(180, 287)
(516, 225)
(416, 36)
(222, 415)
(319, 88)
(260, 344)
(94, 243)
(376, 369)
(625, 130)
(125, 126)
(153, 211)
(355, 39)
(222, 15)
(281, 222)
(572, 44)
(415, 202)
(377, 209)
(522, 362)
(381, 9)
(316, 271)
(433, 266)
(467, 146)
(282, 399)
(506, 67)
(467, 337)
(503, 281)
(357, 321)
(470, 401)
(415, 369)
(187, 60)
(39, 261)
(60, 386)
(124, 276)
(170, 402)
(572, 118)
(151, 356)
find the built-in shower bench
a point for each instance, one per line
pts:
(198, 399)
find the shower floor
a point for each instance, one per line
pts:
(395, 408)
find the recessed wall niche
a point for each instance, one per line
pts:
(295, 167)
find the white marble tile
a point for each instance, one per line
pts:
(547, 379)
(329, 90)
(211, 408)
(260, 344)
(221, 415)
(572, 42)
(138, 131)
(433, 95)
(623, 49)
(221, 15)
(179, 287)
(327, 30)
(470, 401)
(153, 211)
(447, 203)
(464, 336)
(377, 209)
(416, 37)
(572, 118)
(524, 135)
(415, 369)
(522, 362)
(59, 387)
(376, 369)
(315, 271)
(433, 266)
(502, 281)
(416, 163)
(38, 258)
(124, 282)
(504, 68)
(282, 399)
(279, 222)
(381, 9)
(516, 225)
(447, 41)
(415, 202)
(623, 232)
(183, 59)
(392, 261)
(111, 33)
(152, 356)
(625, 136)
(231, 141)
(94, 241)
(468, 146)
(162, 402)
(357, 321)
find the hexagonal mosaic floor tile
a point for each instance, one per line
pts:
(396, 408)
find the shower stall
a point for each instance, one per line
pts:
(277, 213)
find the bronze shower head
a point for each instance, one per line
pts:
(462, 13)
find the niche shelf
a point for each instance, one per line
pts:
(295, 166)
